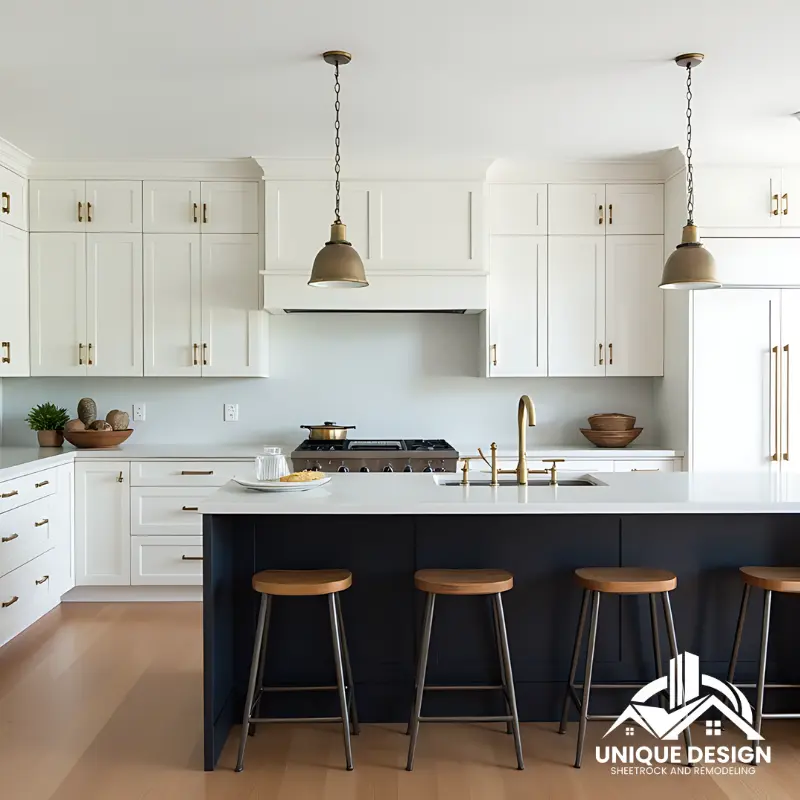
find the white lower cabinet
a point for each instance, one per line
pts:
(166, 560)
(157, 510)
(102, 523)
(25, 595)
(667, 465)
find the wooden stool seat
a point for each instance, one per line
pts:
(463, 581)
(301, 582)
(626, 580)
(773, 579)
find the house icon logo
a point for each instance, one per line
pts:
(691, 695)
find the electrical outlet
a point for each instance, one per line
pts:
(231, 412)
(138, 412)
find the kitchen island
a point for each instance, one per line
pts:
(383, 527)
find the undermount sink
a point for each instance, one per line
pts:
(513, 483)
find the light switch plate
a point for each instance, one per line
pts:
(231, 412)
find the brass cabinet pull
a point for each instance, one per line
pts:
(196, 472)
(9, 494)
(6, 203)
(40, 523)
(776, 210)
(601, 354)
(42, 580)
(194, 349)
(205, 354)
(42, 483)
(777, 400)
(205, 212)
(610, 352)
(194, 212)
(788, 404)
(80, 353)
(7, 603)
(88, 212)
(120, 479)
(189, 508)
(645, 470)
(600, 214)
(90, 362)
(785, 199)
(80, 211)
(494, 355)
(610, 214)
(9, 538)
(7, 357)
(191, 558)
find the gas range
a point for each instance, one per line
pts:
(376, 455)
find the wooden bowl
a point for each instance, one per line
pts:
(96, 439)
(611, 438)
(612, 422)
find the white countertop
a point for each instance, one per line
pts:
(575, 451)
(616, 493)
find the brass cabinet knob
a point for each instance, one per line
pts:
(6, 359)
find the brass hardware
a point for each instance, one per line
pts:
(788, 404)
(42, 580)
(196, 472)
(6, 203)
(194, 349)
(9, 494)
(492, 463)
(601, 354)
(776, 210)
(191, 558)
(611, 353)
(43, 483)
(80, 354)
(40, 523)
(7, 603)
(465, 471)
(90, 362)
(610, 214)
(80, 211)
(7, 347)
(645, 470)
(120, 479)
(494, 355)
(189, 508)
(524, 409)
(553, 469)
(600, 215)
(88, 212)
(194, 215)
(10, 538)
(775, 455)
(205, 354)
(785, 199)
(205, 212)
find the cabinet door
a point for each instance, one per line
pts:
(518, 209)
(114, 206)
(114, 304)
(635, 208)
(576, 308)
(790, 380)
(61, 504)
(634, 305)
(13, 199)
(734, 389)
(57, 206)
(58, 304)
(229, 207)
(171, 207)
(172, 325)
(102, 524)
(574, 208)
(14, 308)
(233, 326)
(738, 197)
(518, 306)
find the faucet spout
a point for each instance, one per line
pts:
(525, 410)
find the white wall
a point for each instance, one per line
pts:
(409, 375)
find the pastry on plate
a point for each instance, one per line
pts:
(302, 477)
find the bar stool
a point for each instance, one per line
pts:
(301, 583)
(615, 580)
(465, 582)
(770, 579)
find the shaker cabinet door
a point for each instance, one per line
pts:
(14, 309)
(229, 207)
(114, 206)
(635, 208)
(57, 206)
(171, 207)
(576, 209)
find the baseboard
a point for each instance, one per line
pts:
(133, 594)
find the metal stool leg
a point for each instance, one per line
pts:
(573, 669)
(673, 647)
(348, 672)
(262, 660)
(499, 645)
(587, 680)
(251, 687)
(422, 667)
(340, 683)
(512, 697)
(739, 629)
(762, 662)
(656, 644)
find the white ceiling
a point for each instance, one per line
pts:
(506, 78)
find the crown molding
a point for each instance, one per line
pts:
(145, 169)
(14, 158)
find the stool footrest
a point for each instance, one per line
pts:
(299, 688)
(768, 686)
(499, 718)
(469, 688)
(258, 720)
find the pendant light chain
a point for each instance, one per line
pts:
(337, 161)
(689, 171)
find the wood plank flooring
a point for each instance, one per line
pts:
(104, 702)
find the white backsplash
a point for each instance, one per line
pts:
(403, 375)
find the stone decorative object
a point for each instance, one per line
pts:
(99, 425)
(74, 425)
(87, 411)
(118, 420)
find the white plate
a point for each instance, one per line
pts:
(281, 486)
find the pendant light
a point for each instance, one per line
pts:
(691, 266)
(338, 264)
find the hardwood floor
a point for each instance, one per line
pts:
(103, 702)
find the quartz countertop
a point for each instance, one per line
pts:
(614, 493)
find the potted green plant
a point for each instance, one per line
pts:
(48, 420)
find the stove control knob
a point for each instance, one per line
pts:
(364, 469)
(408, 468)
(316, 468)
(439, 469)
(343, 468)
(429, 468)
(388, 468)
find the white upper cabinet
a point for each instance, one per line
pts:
(576, 305)
(634, 305)
(233, 327)
(172, 305)
(171, 206)
(114, 304)
(229, 207)
(518, 306)
(635, 208)
(92, 206)
(576, 209)
(58, 304)
(14, 311)
(753, 261)
(13, 199)
(518, 209)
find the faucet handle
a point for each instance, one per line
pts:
(552, 460)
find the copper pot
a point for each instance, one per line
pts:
(328, 431)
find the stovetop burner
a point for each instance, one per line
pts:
(381, 445)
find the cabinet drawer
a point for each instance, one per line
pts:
(19, 491)
(14, 203)
(25, 533)
(188, 473)
(166, 560)
(654, 465)
(157, 511)
(25, 595)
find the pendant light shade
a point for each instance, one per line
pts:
(338, 265)
(691, 266)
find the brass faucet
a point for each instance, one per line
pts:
(524, 408)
